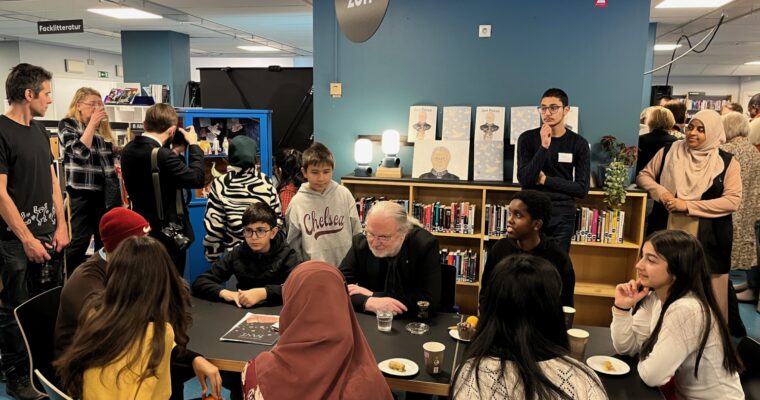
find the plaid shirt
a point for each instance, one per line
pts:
(85, 168)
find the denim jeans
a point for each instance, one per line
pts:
(13, 268)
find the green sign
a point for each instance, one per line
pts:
(102, 74)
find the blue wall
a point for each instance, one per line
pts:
(649, 65)
(157, 57)
(428, 52)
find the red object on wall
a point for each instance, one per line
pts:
(600, 3)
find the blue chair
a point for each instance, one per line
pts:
(51, 390)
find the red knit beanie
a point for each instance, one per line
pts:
(119, 224)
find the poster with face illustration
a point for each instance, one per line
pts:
(489, 124)
(441, 159)
(422, 123)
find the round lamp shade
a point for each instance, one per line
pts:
(391, 142)
(363, 151)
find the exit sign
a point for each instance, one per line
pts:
(102, 74)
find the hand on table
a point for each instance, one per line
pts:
(384, 303)
(356, 289)
(251, 297)
(229, 295)
(628, 294)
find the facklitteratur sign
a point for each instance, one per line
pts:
(54, 27)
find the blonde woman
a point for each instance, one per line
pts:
(89, 162)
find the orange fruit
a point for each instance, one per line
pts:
(473, 320)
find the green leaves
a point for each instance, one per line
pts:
(614, 179)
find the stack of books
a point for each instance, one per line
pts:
(453, 218)
(594, 225)
(496, 219)
(465, 262)
(363, 204)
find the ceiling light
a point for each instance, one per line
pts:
(666, 47)
(752, 63)
(258, 48)
(124, 13)
(692, 3)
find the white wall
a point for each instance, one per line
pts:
(711, 85)
(8, 59)
(244, 62)
(748, 86)
(65, 83)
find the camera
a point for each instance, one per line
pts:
(175, 232)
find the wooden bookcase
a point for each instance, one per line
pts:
(697, 101)
(598, 266)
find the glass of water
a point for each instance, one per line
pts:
(384, 320)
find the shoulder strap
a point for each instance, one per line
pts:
(156, 182)
(665, 151)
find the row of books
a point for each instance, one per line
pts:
(594, 225)
(465, 262)
(453, 218)
(706, 104)
(363, 204)
(496, 219)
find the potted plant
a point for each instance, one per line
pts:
(619, 172)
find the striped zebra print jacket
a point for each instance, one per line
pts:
(230, 196)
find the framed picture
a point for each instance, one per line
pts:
(456, 123)
(433, 159)
(422, 123)
(489, 124)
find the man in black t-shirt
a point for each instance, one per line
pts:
(33, 224)
(555, 160)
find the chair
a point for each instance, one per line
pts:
(749, 351)
(51, 390)
(36, 320)
(448, 287)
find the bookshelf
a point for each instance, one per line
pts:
(697, 101)
(598, 266)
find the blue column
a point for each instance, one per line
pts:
(648, 65)
(157, 57)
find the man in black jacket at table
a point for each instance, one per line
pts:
(160, 126)
(393, 264)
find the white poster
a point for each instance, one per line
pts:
(434, 159)
(571, 119)
(456, 123)
(489, 160)
(422, 123)
(489, 124)
(522, 119)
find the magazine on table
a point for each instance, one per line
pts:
(254, 328)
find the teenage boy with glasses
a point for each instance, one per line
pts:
(261, 264)
(393, 264)
(555, 160)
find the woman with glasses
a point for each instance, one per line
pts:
(231, 194)
(696, 188)
(88, 161)
(261, 264)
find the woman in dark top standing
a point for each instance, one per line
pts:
(659, 120)
(88, 161)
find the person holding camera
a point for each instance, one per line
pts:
(167, 212)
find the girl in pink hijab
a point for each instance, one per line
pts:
(696, 188)
(322, 352)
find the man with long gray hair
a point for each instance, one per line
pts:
(393, 264)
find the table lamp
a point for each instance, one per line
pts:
(389, 167)
(363, 157)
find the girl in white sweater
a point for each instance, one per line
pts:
(520, 348)
(669, 316)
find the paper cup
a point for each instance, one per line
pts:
(578, 339)
(433, 357)
(569, 316)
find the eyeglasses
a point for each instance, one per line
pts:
(552, 109)
(690, 127)
(257, 233)
(380, 238)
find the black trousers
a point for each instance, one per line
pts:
(562, 224)
(87, 208)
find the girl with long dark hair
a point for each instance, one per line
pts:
(520, 348)
(122, 347)
(287, 170)
(670, 317)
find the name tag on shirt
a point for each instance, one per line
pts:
(565, 157)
